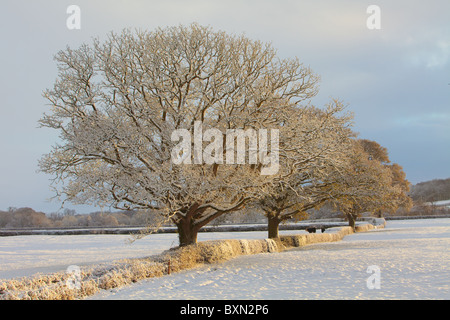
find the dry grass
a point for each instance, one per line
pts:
(336, 234)
(123, 272)
(46, 287)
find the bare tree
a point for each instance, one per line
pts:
(369, 183)
(397, 195)
(116, 104)
(321, 142)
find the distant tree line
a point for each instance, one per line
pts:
(431, 191)
(421, 193)
(29, 218)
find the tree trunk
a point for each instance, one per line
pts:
(189, 223)
(351, 221)
(187, 232)
(379, 214)
(272, 226)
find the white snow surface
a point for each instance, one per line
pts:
(30, 254)
(443, 203)
(412, 255)
(413, 258)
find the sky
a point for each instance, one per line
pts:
(395, 79)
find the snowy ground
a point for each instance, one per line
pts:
(27, 255)
(413, 258)
(412, 255)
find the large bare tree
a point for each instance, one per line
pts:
(116, 104)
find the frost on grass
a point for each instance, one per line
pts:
(124, 272)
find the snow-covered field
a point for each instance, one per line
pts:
(412, 256)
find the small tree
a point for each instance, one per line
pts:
(117, 103)
(401, 187)
(309, 170)
(368, 183)
(397, 196)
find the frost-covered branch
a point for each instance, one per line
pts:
(117, 102)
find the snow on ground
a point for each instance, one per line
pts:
(442, 203)
(413, 258)
(27, 255)
(412, 255)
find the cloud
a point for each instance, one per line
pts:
(430, 120)
(395, 79)
(434, 55)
